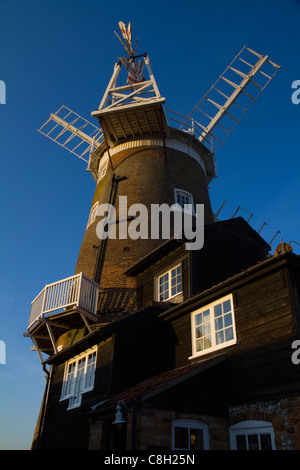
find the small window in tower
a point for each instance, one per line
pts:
(102, 171)
(79, 377)
(185, 200)
(169, 284)
(93, 214)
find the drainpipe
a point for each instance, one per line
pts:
(97, 274)
(102, 246)
(44, 405)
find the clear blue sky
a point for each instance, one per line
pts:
(63, 52)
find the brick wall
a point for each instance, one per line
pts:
(96, 429)
(284, 415)
(149, 180)
(154, 427)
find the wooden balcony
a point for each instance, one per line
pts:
(61, 306)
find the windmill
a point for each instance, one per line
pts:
(144, 151)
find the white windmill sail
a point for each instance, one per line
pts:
(223, 106)
(73, 132)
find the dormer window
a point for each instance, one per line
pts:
(213, 326)
(169, 283)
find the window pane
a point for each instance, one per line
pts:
(219, 323)
(253, 442)
(241, 443)
(196, 439)
(181, 438)
(175, 280)
(182, 199)
(265, 442)
(227, 320)
(207, 342)
(218, 310)
(90, 372)
(228, 334)
(203, 343)
(206, 315)
(203, 331)
(70, 378)
(164, 287)
(223, 322)
(227, 306)
(219, 337)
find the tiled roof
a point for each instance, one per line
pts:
(160, 383)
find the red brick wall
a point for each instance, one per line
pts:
(95, 439)
(149, 180)
(154, 427)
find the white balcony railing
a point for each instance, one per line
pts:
(76, 291)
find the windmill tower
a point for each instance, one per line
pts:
(142, 153)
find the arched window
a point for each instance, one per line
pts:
(189, 434)
(185, 200)
(93, 213)
(252, 435)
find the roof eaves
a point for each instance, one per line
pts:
(227, 283)
(158, 384)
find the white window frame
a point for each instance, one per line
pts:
(164, 273)
(213, 332)
(82, 380)
(249, 427)
(102, 171)
(190, 423)
(93, 214)
(187, 207)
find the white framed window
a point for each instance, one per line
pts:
(184, 199)
(189, 434)
(102, 171)
(213, 326)
(93, 214)
(252, 435)
(79, 377)
(169, 283)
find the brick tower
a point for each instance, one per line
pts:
(143, 160)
